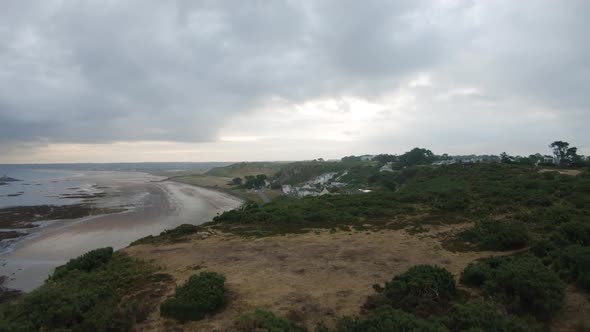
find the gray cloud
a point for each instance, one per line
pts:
(96, 71)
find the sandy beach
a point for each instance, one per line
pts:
(152, 205)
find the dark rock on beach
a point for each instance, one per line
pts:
(7, 294)
(24, 216)
(4, 179)
(11, 235)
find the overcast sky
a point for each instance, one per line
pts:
(101, 81)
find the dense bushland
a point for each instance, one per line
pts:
(486, 316)
(491, 234)
(87, 262)
(522, 283)
(531, 202)
(202, 294)
(170, 235)
(88, 294)
(567, 251)
(424, 298)
(263, 320)
(387, 319)
(423, 290)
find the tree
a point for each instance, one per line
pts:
(350, 158)
(563, 152)
(255, 182)
(416, 156)
(572, 155)
(237, 181)
(505, 158)
(560, 149)
(537, 157)
(385, 158)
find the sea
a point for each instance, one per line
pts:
(50, 184)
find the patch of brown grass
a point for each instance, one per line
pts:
(313, 277)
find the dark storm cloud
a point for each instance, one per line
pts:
(103, 71)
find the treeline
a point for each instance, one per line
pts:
(562, 154)
(251, 181)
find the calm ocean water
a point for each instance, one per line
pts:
(40, 187)
(46, 183)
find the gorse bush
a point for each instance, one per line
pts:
(497, 235)
(522, 283)
(170, 235)
(262, 320)
(454, 313)
(107, 297)
(486, 317)
(388, 319)
(567, 251)
(576, 261)
(87, 262)
(575, 232)
(202, 294)
(423, 289)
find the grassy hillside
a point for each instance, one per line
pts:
(298, 172)
(247, 168)
(425, 195)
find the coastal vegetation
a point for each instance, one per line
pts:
(174, 235)
(99, 291)
(203, 293)
(425, 298)
(264, 320)
(243, 169)
(539, 219)
(527, 229)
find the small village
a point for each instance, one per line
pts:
(324, 184)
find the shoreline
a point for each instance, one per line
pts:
(151, 207)
(230, 192)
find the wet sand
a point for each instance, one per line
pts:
(154, 207)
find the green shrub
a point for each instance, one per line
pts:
(575, 232)
(522, 283)
(387, 319)
(107, 298)
(477, 273)
(498, 234)
(576, 261)
(486, 317)
(544, 248)
(422, 290)
(262, 320)
(169, 235)
(202, 294)
(454, 200)
(87, 262)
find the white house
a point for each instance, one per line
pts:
(548, 160)
(445, 162)
(324, 178)
(287, 189)
(367, 157)
(386, 168)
